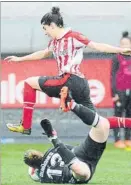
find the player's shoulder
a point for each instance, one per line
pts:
(78, 36)
(74, 34)
(48, 153)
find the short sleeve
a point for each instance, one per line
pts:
(80, 40)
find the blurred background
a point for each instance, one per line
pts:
(21, 33)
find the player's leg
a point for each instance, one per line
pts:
(118, 121)
(84, 98)
(50, 85)
(87, 115)
(128, 114)
(101, 127)
(90, 151)
(81, 170)
(90, 117)
(31, 85)
(118, 112)
(82, 95)
(80, 91)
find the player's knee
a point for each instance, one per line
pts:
(81, 171)
(104, 125)
(33, 82)
(80, 177)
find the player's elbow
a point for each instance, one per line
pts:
(92, 45)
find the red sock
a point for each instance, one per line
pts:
(118, 122)
(29, 102)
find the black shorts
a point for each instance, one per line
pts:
(90, 152)
(51, 85)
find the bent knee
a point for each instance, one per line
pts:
(81, 171)
(33, 82)
(104, 124)
(100, 133)
(82, 177)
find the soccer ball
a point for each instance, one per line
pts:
(34, 174)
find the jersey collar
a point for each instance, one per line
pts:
(64, 33)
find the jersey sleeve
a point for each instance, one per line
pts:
(80, 40)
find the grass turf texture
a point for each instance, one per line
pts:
(113, 169)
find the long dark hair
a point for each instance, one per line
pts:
(53, 16)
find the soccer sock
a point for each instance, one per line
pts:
(67, 155)
(127, 133)
(116, 134)
(88, 116)
(55, 141)
(29, 102)
(118, 122)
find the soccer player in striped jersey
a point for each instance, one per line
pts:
(67, 47)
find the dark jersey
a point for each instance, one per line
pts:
(120, 73)
(54, 170)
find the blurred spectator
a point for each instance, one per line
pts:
(121, 90)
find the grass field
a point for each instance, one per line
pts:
(113, 169)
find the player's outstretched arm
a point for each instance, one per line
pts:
(108, 48)
(34, 56)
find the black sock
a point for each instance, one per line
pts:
(88, 116)
(127, 133)
(117, 134)
(66, 154)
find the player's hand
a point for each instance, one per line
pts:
(126, 51)
(13, 59)
(115, 98)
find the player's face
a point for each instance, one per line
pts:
(49, 30)
(125, 43)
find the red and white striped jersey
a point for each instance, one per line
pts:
(69, 49)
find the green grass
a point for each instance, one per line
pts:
(113, 169)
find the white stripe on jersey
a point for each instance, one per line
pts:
(70, 49)
(62, 43)
(57, 55)
(78, 43)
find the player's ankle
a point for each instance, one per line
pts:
(71, 104)
(53, 138)
(27, 131)
(53, 135)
